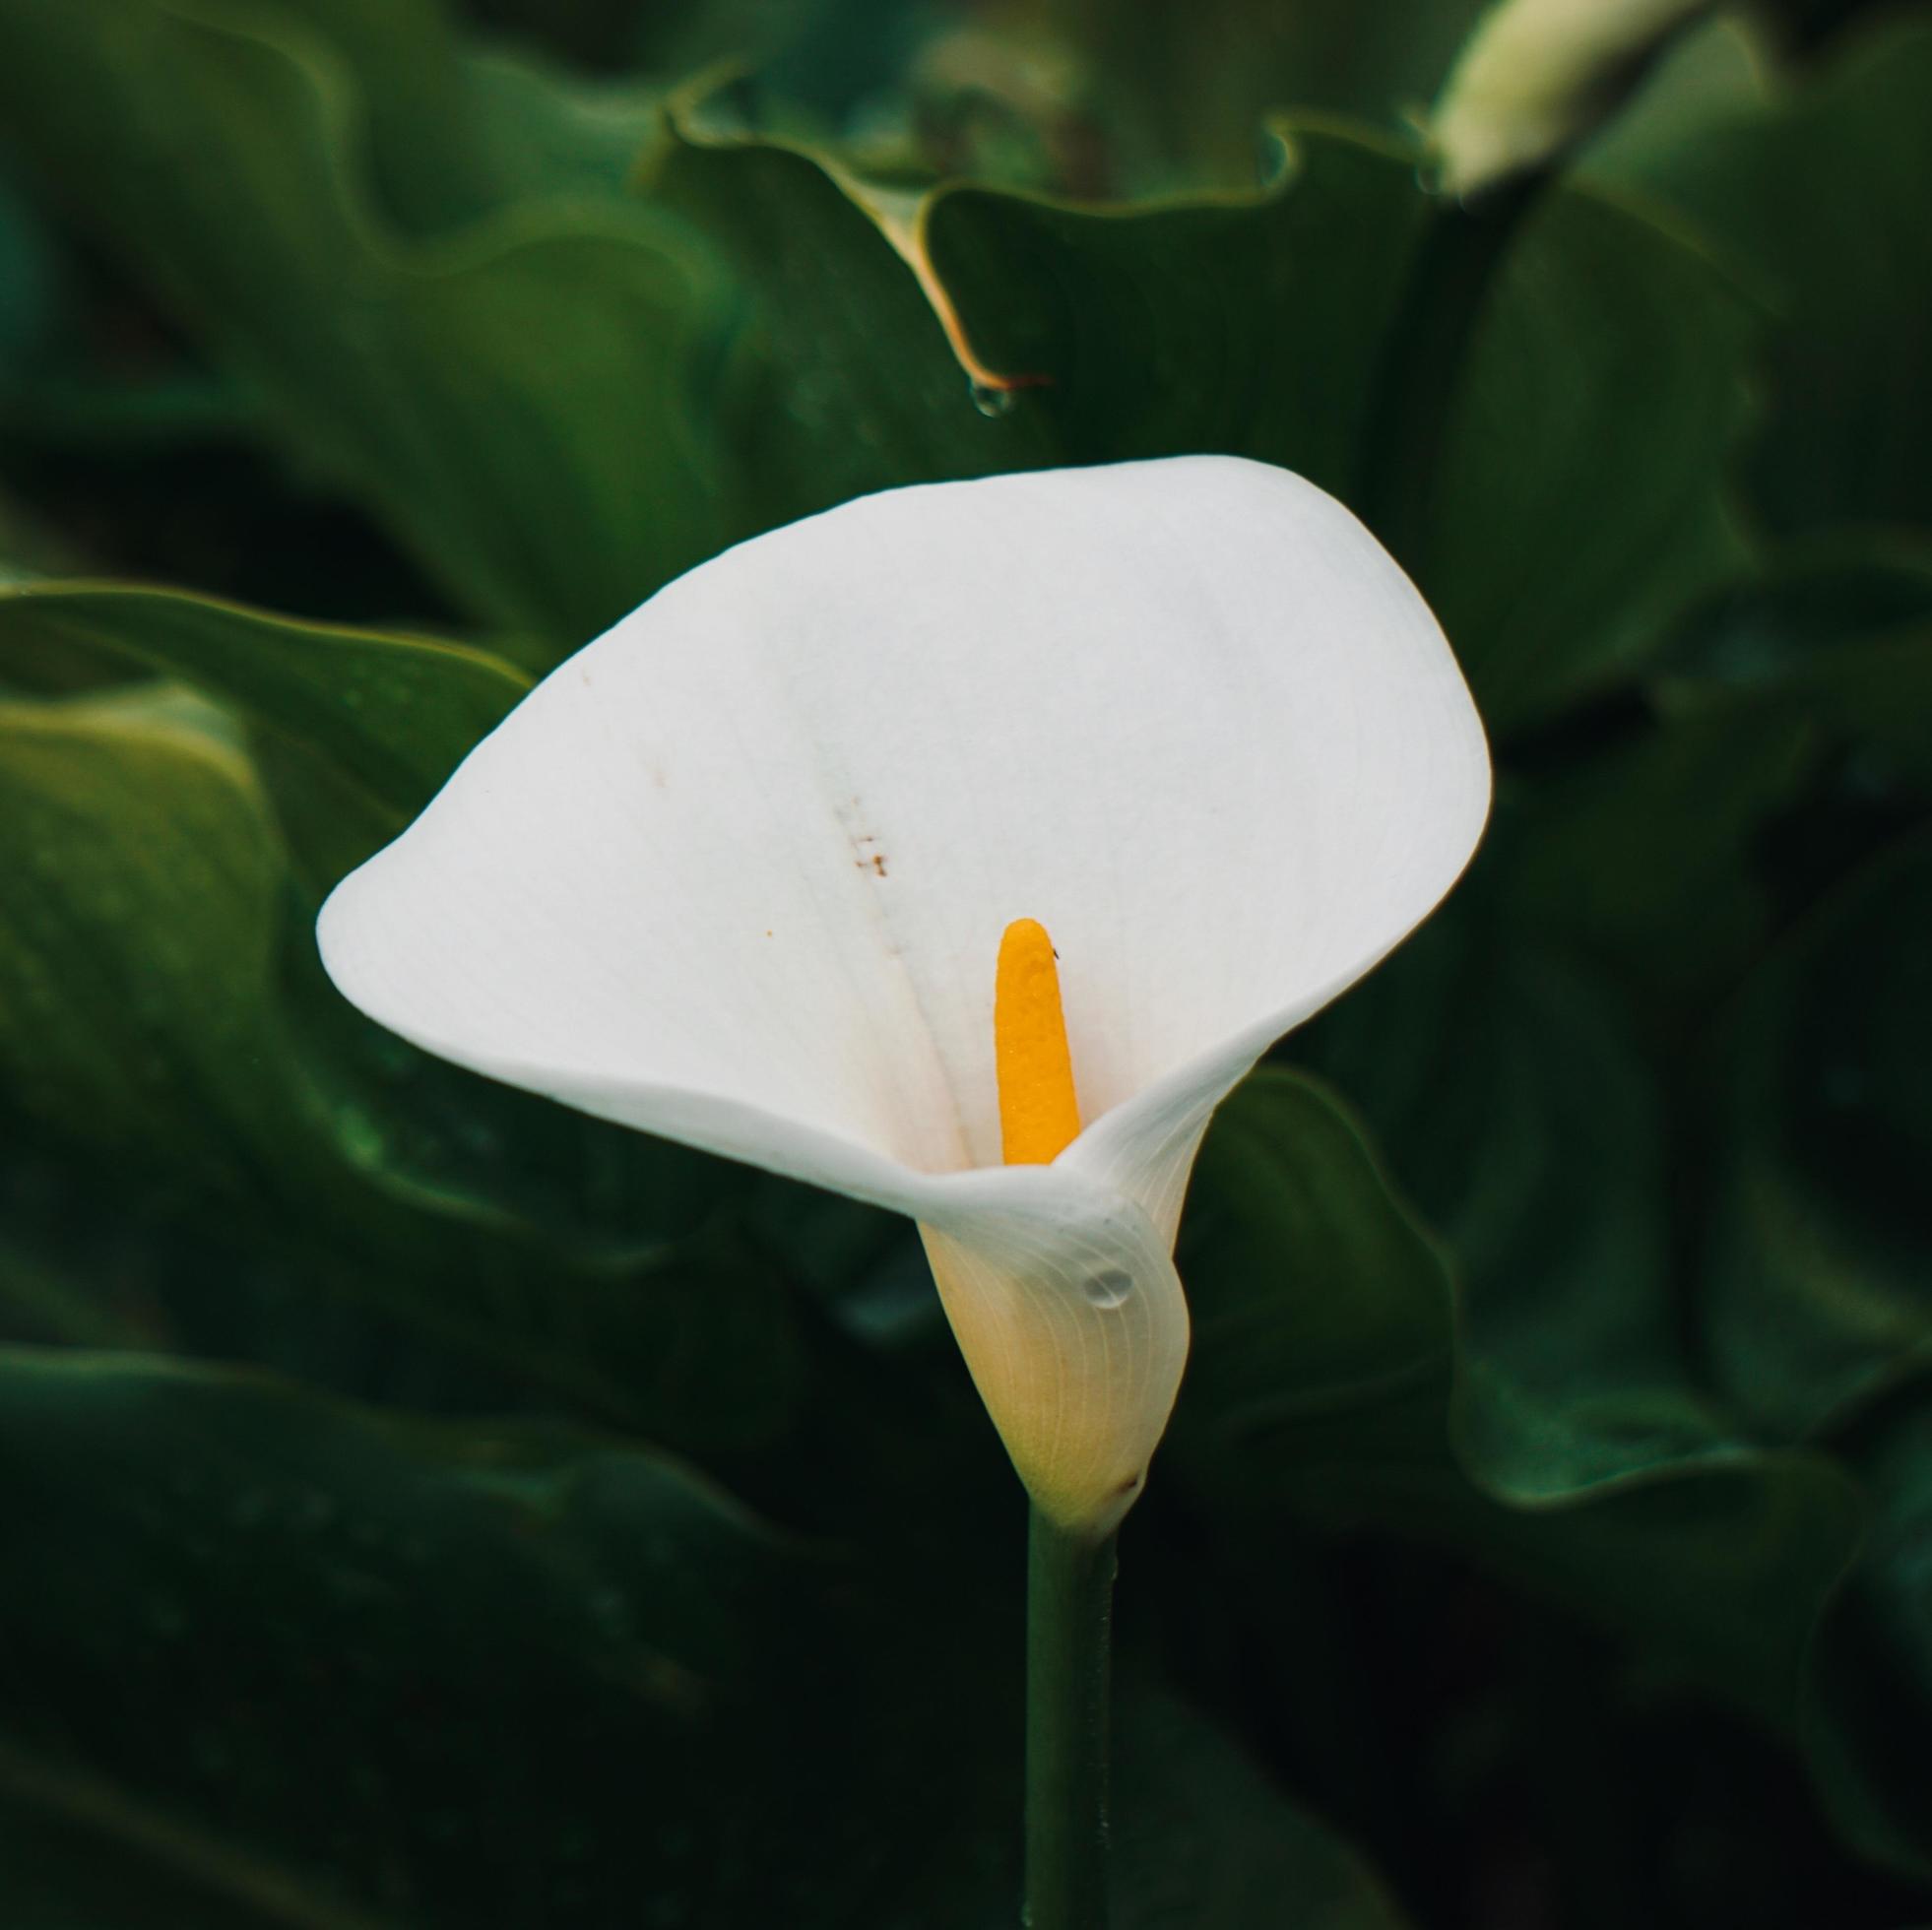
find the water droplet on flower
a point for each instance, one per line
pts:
(1108, 1289)
(992, 402)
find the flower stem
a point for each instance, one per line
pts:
(1069, 1603)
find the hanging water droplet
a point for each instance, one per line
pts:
(1108, 1289)
(992, 402)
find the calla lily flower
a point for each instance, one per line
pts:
(1538, 76)
(753, 870)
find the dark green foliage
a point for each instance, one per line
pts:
(423, 1507)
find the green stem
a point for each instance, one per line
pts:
(1069, 1603)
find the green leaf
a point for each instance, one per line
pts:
(1193, 87)
(1200, 1837)
(551, 132)
(426, 152)
(847, 382)
(455, 128)
(1812, 607)
(1645, 854)
(1709, 75)
(1089, 333)
(1787, 702)
(515, 399)
(1817, 1273)
(339, 1670)
(1793, 694)
(1159, 329)
(1582, 499)
(968, 330)
(1366, 1322)
(168, 1875)
(1874, 1704)
(46, 1296)
(393, 714)
(134, 971)
(347, 1670)
(29, 284)
(1538, 1417)
(1817, 196)
(1841, 637)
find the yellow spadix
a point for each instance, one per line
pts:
(1039, 1112)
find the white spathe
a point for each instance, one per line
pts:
(736, 874)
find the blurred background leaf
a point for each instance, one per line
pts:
(1812, 196)
(507, 379)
